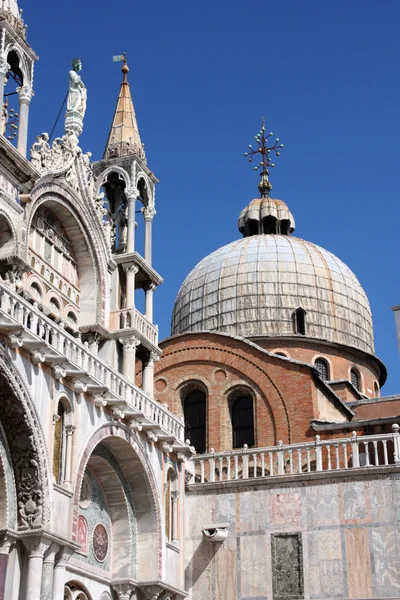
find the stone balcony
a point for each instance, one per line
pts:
(133, 320)
(321, 457)
(28, 328)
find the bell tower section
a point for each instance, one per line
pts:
(126, 191)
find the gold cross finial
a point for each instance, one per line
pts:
(266, 160)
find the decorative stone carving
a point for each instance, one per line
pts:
(24, 452)
(149, 213)
(83, 534)
(100, 542)
(129, 343)
(63, 556)
(25, 94)
(124, 590)
(57, 158)
(36, 545)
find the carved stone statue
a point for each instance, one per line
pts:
(77, 92)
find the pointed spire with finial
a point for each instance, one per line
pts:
(266, 163)
(124, 138)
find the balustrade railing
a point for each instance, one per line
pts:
(69, 349)
(131, 318)
(322, 455)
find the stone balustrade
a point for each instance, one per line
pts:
(298, 459)
(131, 318)
(48, 342)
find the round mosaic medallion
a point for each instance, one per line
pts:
(86, 492)
(100, 542)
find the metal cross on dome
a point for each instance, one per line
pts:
(266, 160)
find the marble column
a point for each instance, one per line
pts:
(174, 499)
(25, 94)
(148, 214)
(5, 545)
(148, 374)
(131, 196)
(36, 547)
(48, 572)
(129, 345)
(130, 271)
(69, 430)
(148, 301)
(59, 579)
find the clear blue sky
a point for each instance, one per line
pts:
(202, 74)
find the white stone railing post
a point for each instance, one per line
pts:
(281, 458)
(245, 464)
(396, 443)
(318, 453)
(355, 462)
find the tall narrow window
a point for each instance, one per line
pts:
(355, 378)
(323, 368)
(171, 507)
(299, 321)
(168, 511)
(243, 422)
(58, 448)
(195, 419)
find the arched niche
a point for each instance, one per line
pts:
(80, 283)
(132, 500)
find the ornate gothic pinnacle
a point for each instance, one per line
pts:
(266, 161)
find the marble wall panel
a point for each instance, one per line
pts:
(198, 571)
(385, 542)
(254, 574)
(322, 506)
(254, 511)
(225, 511)
(199, 512)
(326, 577)
(353, 498)
(225, 570)
(381, 494)
(286, 510)
(358, 563)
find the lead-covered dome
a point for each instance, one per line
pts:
(254, 286)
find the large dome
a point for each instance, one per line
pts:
(252, 287)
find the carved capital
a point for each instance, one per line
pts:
(129, 269)
(131, 193)
(153, 592)
(149, 213)
(153, 357)
(124, 590)
(129, 343)
(174, 496)
(63, 556)
(56, 418)
(150, 287)
(5, 543)
(25, 94)
(69, 429)
(36, 546)
(4, 66)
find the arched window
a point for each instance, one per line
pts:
(59, 443)
(376, 390)
(194, 409)
(242, 414)
(355, 378)
(299, 321)
(322, 367)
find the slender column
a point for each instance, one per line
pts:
(130, 271)
(148, 374)
(174, 499)
(48, 572)
(129, 356)
(25, 94)
(5, 545)
(36, 547)
(93, 339)
(125, 591)
(148, 214)
(148, 301)
(131, 196)
(69, 430)
(61, 560)
(3, 72)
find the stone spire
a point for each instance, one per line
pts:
(124, 138)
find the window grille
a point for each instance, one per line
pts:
(323, 368)
(243, 422)
(195, 419)
(355, 378)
